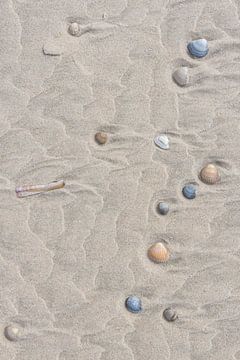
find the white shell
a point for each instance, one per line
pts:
(181, 76)
(162, 142)
(74, 29)
(12, 332)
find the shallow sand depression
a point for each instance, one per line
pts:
(71, 257)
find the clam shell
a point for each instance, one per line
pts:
(163, 208)
(170, 315)
(162, 142)
(133, 304)
(101, 138)
(158, 253)
(12, 332)
(189, 191)
(74, 29)
(180, 76)
(198, 48)
(209, 174)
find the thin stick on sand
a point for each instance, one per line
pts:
(29, 190)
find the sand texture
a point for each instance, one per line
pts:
(69, 258)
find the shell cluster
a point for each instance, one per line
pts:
(162, 142)
(101, 138)
(170, 315)
(189, 191)
(163, 208)
(198, 48)
(209, 174)
(158, 253)
(180, 76)
(133, 304)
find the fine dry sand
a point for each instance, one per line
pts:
(69, 258)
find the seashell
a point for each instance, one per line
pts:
(12, 332)
(209, 174)
(162, 142)
(170, 314)
(158, 253)
(198, 48)
(28, 190)
(163, 208)
(74, 29)
(189, 191)
(133, 304)
(180, 76)
(101, 138)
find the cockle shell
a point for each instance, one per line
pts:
(189, 191)
(101, 138)
(162, 142)
(209, 174)
(163, 208)
(181, 76)
(170, 314)
(158, 253)
(74, 29)
(198, 48)
(133, 304)
(12, 332)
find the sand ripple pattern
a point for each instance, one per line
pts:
(70, 258)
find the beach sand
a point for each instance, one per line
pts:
(70, 257)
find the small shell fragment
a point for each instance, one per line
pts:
(198, 48)
(189, 191)
(163, 208)
(162, 142)
(74, 29)
(158, 253)
(133, 304)
(12, 332)
(170, 315)
(28, 190)
(209, 174)
(101, 138)
(180, 76)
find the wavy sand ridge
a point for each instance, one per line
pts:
(70, 258)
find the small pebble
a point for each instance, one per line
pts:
(163, 208)
(133, 304)
(189, 191)
(101, 138)
(170, 314)
(12, 332)
(74, 29)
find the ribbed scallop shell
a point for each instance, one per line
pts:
(209, 174)
(158, 253)
(162, 142)
(198, 48)
(181, 76)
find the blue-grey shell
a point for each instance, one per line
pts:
(189, 191)
(133, 304)
(162, 142)
(163, 208)
(198, 48)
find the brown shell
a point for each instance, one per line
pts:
(101, 138)
(158, 253)
(209, 174)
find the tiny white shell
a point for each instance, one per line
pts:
(12, 332)
(162, 142)
(74, 29)
(181, 76)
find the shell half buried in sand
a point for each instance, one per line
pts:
(29, 190)
(158, 253)
(162, 142)
(180, 76)
(209, 174)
